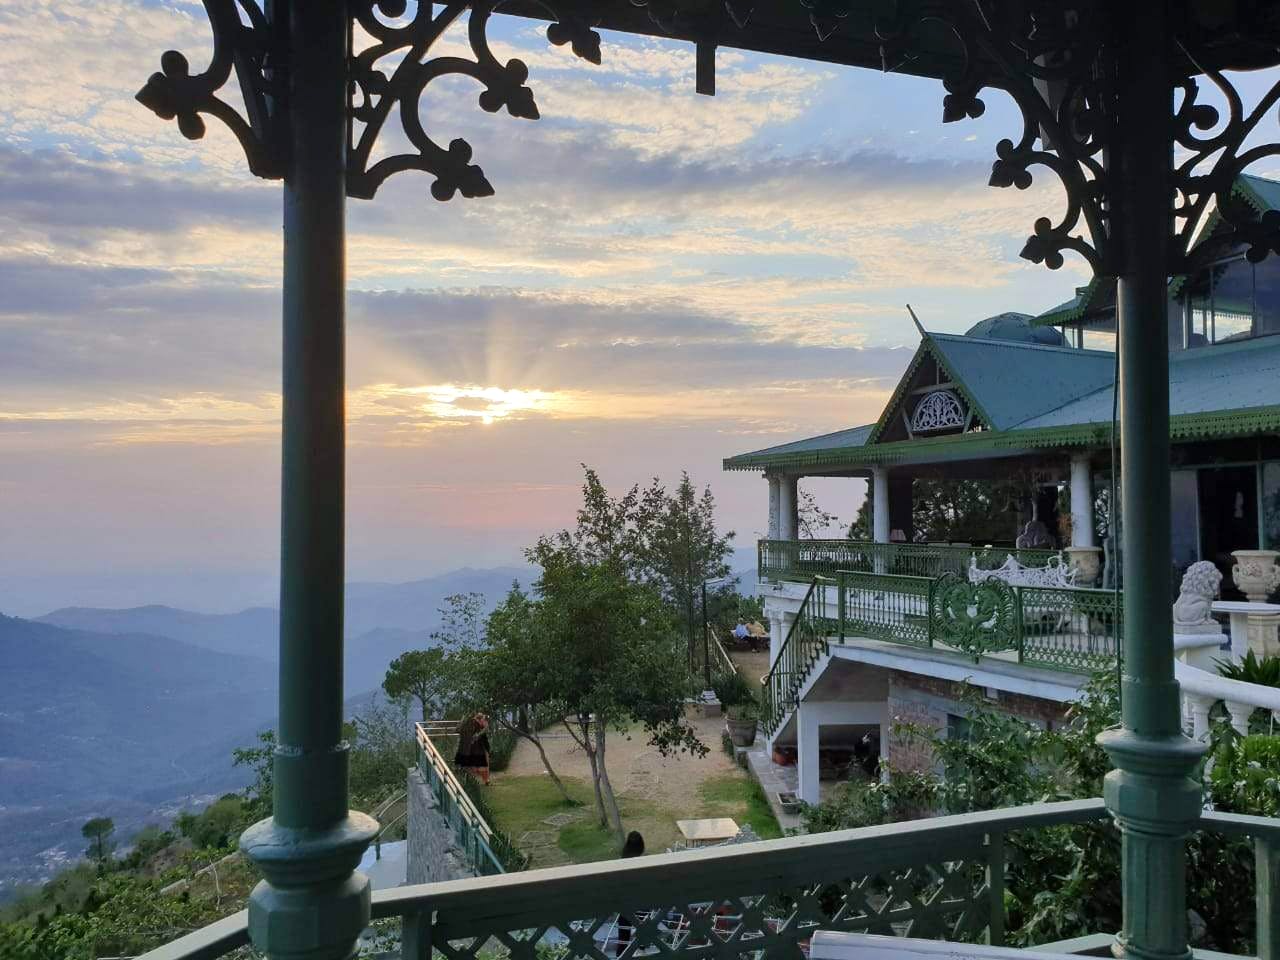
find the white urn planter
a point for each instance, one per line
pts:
(1255, 573)
(1085, 564)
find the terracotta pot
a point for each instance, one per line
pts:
(1256, 573)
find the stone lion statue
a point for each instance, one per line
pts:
(1192, 610)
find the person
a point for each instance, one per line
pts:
(473, 747)
(633, 847)
(757, 634)
(740, 632)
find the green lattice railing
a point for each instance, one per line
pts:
(943, 877)
(804, 559)
(1063, 628)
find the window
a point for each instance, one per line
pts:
(1232, 300)
(1271, 505)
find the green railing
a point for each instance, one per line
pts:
(474, 836)
(1063, 628)
(804, 559)
(940, 878)
(804, 644)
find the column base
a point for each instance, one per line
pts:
(313, 904)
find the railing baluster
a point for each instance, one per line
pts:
(995, 888)
(1266, 854)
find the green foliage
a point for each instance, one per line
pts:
(261, 760)
(428, 676)
(1252, 670)
(1245, 774)
(98, 832)
(1064, 881)
(732, 689)
(217, 826)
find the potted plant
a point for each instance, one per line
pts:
(741, 710)
(742, 720)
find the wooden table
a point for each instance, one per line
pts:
(700, 833)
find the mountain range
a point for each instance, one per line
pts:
(134, 713)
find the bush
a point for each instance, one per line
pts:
(732, 689)
(1246, 775)
(502, 744)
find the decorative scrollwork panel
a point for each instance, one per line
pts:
(977, 618)
(394, 72)
(240, 43)
(939, 410)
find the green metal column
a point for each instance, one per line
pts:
(1152, 792)
(312, 903)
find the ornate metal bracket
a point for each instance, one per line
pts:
(242, 40)
(392, 73)
(409, 47)
(1206, 178)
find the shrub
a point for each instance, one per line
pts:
(732, 689)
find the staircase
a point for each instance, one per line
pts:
(805, 645)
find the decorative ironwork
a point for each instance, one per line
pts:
(1046, 58)
(884, 607)
(978, 618)
(940, 410)
(405, 49)
(1070, 628)
(247, 48)
(804, 645)
(1207, 177)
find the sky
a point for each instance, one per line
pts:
(661, 280)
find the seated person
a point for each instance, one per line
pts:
(757, 634)
(740, 632)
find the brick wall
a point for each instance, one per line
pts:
(926, 702)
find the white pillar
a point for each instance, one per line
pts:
(807, 752)
(1199, 709)
(775, 497)
(1082, 501)
(1239, 714)
(880, 504)
(787, 508)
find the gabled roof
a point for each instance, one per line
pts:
(1046, 398)
(1011, 381)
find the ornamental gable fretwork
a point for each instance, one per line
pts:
(939, 410)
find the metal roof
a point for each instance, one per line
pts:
(1044, 398)
(853, 437)
(1229, 376)
(1012, 381)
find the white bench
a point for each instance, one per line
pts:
(829, 945)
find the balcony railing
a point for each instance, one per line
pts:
(804, 559)
(481, 847)
(941, 878)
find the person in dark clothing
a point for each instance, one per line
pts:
(473, 747)
(633, 847)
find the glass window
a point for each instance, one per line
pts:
(1271, 506)
(1099, 339)
(1232, 301)
(1266, 296)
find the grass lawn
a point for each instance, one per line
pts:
(522, 804)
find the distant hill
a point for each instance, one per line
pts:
(118, 724)
(413, 607)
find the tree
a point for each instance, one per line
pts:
(259, 795)
(98, 832)
(511, 676)
(608, 630)
(677, 545)
(811, 518)
(425, 675)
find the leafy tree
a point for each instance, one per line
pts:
(427, 676)
(259, 795)
(218, 825)
(611, 635)
(678, 545)
(813, 521)
(98, 832)
(382, 748)
(511, 676)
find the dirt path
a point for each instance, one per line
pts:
(637, 770)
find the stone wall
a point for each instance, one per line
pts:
(434, 855)
(926, 702)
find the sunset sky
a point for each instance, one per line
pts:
(662, 280)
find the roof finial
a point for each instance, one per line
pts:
(916, 321)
